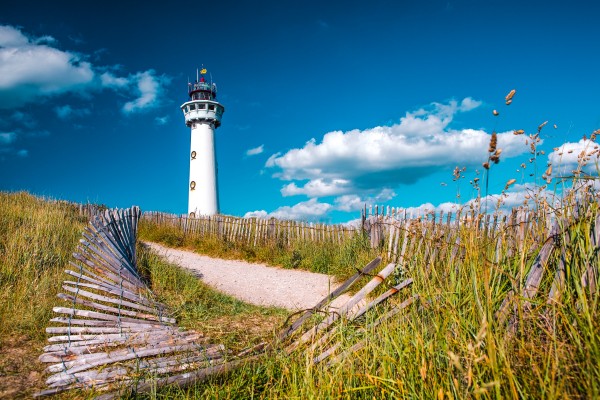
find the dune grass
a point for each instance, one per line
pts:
(37, 238)
(339, 260)
(448, 344)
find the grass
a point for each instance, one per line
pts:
(335, 259)
(37, 238)
(449, 344)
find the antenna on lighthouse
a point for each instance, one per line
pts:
(202, 114)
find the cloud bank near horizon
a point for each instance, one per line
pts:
(367, 166)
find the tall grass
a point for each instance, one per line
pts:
(335, 259)
(450, 343)
(37, 239)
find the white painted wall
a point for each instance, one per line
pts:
(203, 199)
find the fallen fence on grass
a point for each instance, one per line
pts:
(113, 333)
(114, 337)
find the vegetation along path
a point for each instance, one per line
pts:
(256, 283)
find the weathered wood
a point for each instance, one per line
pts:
(384, 296)
(341, 289)
(118, 311)
(342, 311)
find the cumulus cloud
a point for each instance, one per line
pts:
(311, 210)
(32, 69)
(148, 87)
(367, 161)
(256, 150)
(318, 188)
(29, 69)
(572, 155)
(353, 202)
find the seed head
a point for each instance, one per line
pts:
(493, 143)
(509, 96)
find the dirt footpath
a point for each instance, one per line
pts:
(256, 283)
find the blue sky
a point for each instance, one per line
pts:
(328, 105)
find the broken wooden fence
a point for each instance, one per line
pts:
(114, 337)
(111, 331)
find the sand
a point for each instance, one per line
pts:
(256, 283)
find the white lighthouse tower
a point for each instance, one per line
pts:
(203, 115)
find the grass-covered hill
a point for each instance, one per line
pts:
(448, 344)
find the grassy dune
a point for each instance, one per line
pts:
(449, 344)
(37, 239)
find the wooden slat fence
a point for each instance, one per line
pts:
(113, 336)
(253, 231)
(110, 330)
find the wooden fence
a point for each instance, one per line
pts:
(111, 331)
(253, 231)
(114, 337)
(399, 234)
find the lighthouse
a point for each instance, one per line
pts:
(202, 115)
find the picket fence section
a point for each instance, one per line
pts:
(253, 231)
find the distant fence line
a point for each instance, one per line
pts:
(394, 231)
(398, 232)
(253, 230)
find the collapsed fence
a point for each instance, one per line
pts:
(116, 337)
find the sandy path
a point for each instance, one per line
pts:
(255, 283)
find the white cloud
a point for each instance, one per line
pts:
(318, 188)
(29, 70)
(7, 137)
(363, 162)
(256, 150)
(111, 81)
(149, 87)
(310, 210)
(10, 36)
(32, 69)
(257, 214)
(353, 202)
(571, 155)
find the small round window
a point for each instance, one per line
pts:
(193, 155)
(192, 185)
